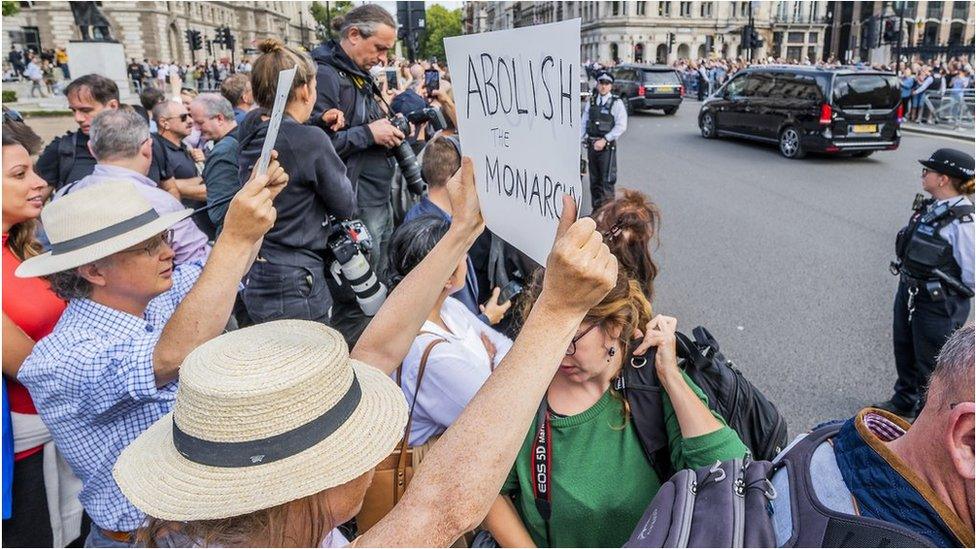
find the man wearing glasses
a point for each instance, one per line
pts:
(109, 369)
(214, 115)
(179, 165)
(121, 144)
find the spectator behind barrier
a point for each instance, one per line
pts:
(214, 117)
(237, 90)
(601, 478)
(458, 350)
(309, 488)
(121, 142)
(67, 158)
(30, 311)
(109, 369)
(631, 222)
(291, 278)
(441, 159)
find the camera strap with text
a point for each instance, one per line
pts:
(542, 466)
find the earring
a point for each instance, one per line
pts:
(613, 351)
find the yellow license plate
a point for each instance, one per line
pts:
(666, 89)
(865, 128)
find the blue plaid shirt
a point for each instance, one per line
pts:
(92, 382)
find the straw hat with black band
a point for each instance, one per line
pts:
(95, 222)
(264, 415)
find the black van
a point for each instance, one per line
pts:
(648, 87)
(808, 109)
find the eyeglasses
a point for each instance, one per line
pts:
(571, 350)
(926, 171)
(182, 117)
(154, 245)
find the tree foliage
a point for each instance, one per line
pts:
(10, 8)
(325, 12)
(440, 23)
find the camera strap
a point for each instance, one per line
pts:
(542, 465)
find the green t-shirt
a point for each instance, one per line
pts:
(601, 480)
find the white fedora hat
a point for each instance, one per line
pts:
(96, 222)
(264, 415)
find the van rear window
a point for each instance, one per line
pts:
(666, 78)
(867, 91)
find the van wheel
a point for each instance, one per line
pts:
(707, 125)
(862, 154)
(789, 143)
(670, 110)
(628, 106)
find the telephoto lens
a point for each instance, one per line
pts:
(407, 160)
(347, 242)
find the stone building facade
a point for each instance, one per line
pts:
(641, 31)
(155, 30)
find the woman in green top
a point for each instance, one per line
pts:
(600, 480)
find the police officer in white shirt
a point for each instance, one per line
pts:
(935, 255)
(604, 121)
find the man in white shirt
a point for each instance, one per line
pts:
(603, 123)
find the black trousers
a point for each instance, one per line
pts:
(30, 523)
(603, 173)
(276, 292)
(918, 342)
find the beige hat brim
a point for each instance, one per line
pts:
(47, 263)
(162, 483)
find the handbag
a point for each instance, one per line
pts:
(393, 474)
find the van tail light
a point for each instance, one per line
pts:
(640, 90)
(900, 113)
(681, 91)
(826, 114)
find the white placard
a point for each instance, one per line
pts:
(285, 79)
(517, 94)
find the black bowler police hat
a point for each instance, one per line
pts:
(951, 162)
(605, 77)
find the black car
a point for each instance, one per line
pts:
(808, 109)
(648, 87)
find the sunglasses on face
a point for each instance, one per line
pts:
(183, 117)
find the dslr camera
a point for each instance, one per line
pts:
(405, 157)
(349, 241)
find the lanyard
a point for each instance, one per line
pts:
(542, 465)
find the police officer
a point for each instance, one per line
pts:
(603, 123)
(935, 264)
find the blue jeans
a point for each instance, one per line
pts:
(97, 539)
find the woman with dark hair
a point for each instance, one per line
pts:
(455, 350)
(30, 311)
(630, 223)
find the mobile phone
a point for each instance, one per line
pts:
(512, 289)
(391, 79)
(432, 80)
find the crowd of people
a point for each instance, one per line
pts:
(46, 71)
(194, 353)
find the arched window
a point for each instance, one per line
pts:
(662, 53)
(638, 53)
(614, 52)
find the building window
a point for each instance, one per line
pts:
(813, 38)
(614, 8)
(685, 8)
(794, 52)
(642, 8)
(960, 10)
(735, 8)
(743, 9)
(795, 37)
(797, 10)
(815, 12)
(664, 9)
(706, 9)
(933, 10)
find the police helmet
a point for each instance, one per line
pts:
(951, 162)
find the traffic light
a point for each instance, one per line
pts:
(755, 40)
(890, 30)
(670, 41)
(194, 39)
(746, 38)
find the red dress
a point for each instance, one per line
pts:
(32, 306)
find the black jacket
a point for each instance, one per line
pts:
(336, 80)
(317, 186)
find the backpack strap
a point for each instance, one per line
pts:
(816, 525)
(401, 468)
(67, 146)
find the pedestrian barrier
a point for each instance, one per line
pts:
(950, 107)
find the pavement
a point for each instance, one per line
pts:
(785, 261)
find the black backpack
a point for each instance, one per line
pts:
(745, 409)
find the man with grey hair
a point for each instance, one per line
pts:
(122, 146)
(916, 479)
(367, 33)
(213, 114)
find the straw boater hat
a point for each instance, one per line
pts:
(94, 223)
(264, 415)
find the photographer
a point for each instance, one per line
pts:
(367, 33)
(289, 278)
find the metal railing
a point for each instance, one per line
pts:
(954, 108)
